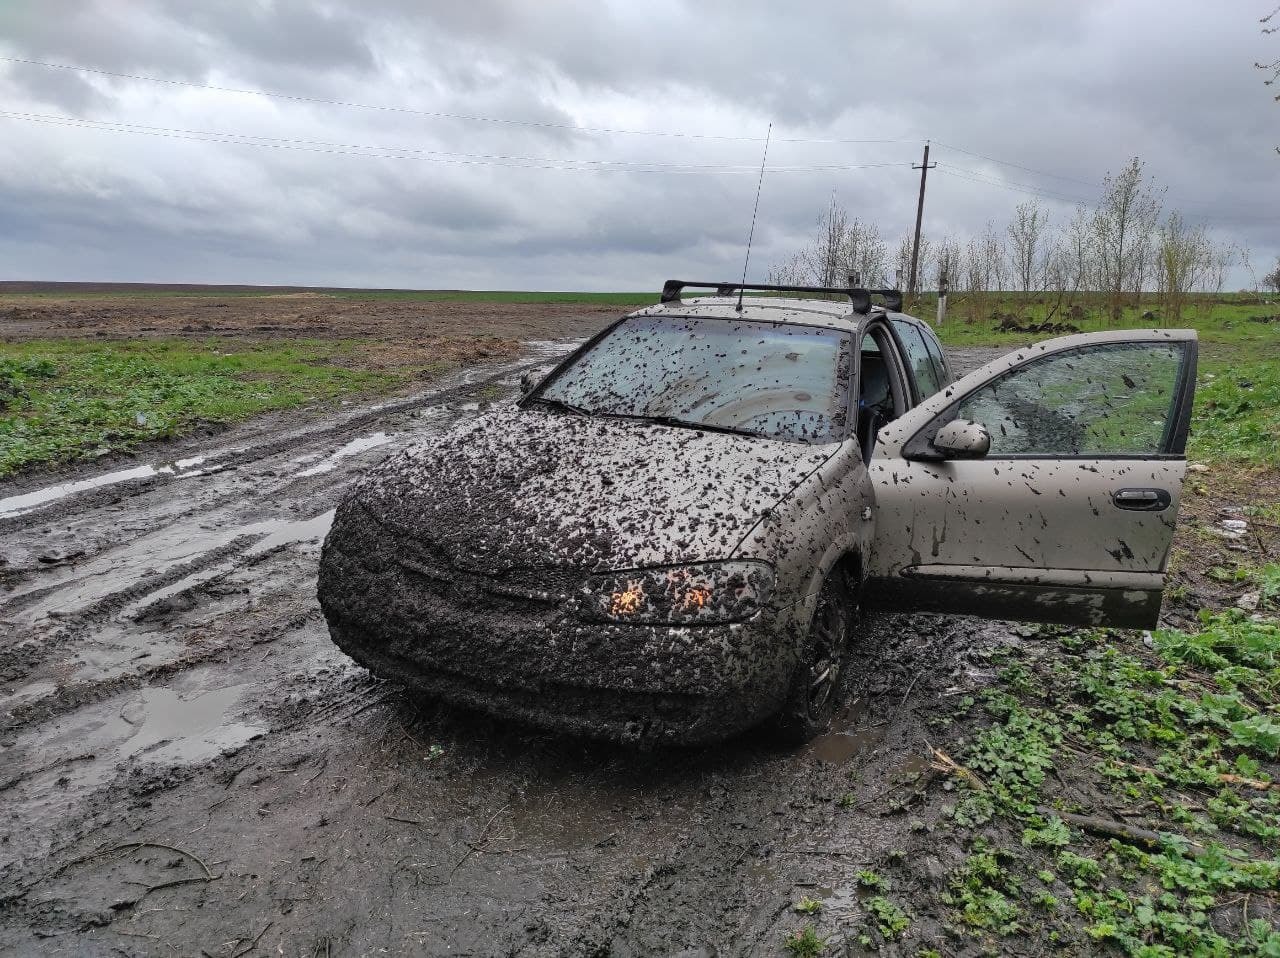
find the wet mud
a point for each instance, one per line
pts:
(189, 765)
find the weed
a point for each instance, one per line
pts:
(808, 906)
(869, 879)
(891, 921)
(804, 943)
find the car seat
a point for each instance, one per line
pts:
(875, 402)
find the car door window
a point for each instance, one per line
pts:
(917, 355)
(1116, 399)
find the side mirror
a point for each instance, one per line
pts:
(962, 439)
(526, 383)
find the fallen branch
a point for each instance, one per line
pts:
(1247, 782)
(130, 846)
(1153, 841)
(942, 762)
(253, 944)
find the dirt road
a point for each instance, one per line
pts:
(188, 766)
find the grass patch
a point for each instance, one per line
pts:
(1164, 842)
(62, 400)
(1229, 325)
(1237, 412)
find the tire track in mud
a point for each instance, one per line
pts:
(339, 813)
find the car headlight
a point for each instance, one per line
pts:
(706, 593)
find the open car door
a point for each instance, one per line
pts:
(1043, 487)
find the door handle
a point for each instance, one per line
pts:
(1141, 500)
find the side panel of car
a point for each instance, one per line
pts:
(826, 519)
(1070, 515)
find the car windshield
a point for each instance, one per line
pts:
(774, 380)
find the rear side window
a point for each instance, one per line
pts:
(939, 360)
(918, 358)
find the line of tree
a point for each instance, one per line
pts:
(1113, 254)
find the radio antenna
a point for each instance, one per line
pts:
(750, 236)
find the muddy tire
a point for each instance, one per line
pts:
(818, 679)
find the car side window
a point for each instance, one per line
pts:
(939, 359)
(1103, 400)
(918, 358)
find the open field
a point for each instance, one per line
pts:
(189, 765)
(87, 372)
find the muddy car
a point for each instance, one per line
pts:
(673, 536)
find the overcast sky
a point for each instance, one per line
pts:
(522, 186)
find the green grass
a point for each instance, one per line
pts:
(1237, 412)
(1183, 735)
(1225, 323)
(61, 400)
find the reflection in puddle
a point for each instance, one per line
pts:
(353, 448)
(838, 747)
(55, 766)
(17, 505)
(841, 902)
(845, 740)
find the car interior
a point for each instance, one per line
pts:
(881, 398)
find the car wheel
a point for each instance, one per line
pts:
(819, 675)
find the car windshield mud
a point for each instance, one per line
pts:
(773, 380)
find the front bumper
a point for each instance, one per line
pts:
(519, 652)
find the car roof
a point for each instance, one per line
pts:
(826, 313)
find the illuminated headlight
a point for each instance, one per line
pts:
(700, 594)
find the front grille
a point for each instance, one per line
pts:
(508, 589)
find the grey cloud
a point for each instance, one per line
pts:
(1070, 88)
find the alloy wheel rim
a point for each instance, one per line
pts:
(824, 669)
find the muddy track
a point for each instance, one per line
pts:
(188, 764)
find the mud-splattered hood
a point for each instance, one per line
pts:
(537, 489)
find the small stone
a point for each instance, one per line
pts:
(1249, 601)
(1197, 467)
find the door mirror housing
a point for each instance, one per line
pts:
(962, 439)
(526, 383)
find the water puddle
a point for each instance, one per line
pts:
(353, 448)
(280, 532)
(29, 501)
(155, 554)
(840, 902)
(836, 748)
(845, 740)
(52, 769)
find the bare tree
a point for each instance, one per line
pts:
(1184, 257)
(1271, 281)
(947, 258)
(840, 247)
(982, 269)
(1080, 255)
(866, 254)
(1026, 236)
(902, 258)
(1124, 227)
(1272, 67)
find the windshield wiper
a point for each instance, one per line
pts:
(562, 405)
(679, 423)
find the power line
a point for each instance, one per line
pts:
(1019, 166)
(513, 161)
(960, 174)
(437, 114)
(971, 177)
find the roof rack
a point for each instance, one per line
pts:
(858, 297)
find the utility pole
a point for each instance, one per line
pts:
(924, 168)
